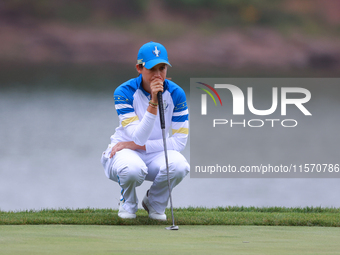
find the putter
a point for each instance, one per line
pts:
(161, 115)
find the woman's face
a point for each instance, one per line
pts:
(157, 72)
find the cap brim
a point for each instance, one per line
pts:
(150, 64)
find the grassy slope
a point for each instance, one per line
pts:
(273, 216)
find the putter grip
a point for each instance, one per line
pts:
(161, 109)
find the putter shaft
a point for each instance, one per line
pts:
(162, 120)
(167, 172)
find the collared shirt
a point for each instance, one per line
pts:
(131, 103)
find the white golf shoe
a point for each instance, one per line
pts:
(122, 213)
(152, 213)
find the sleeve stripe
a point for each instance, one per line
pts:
(127, 115)
(181, 107)
(177, 125)
(181, 113)
(181, 131)
(120, 99)
(121, 106)
(129, 120)
(125, 110)
(180, 118)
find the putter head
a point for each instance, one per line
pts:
(172, 228)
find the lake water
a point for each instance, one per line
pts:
(52, 137)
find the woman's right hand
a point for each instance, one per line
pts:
(156, 85)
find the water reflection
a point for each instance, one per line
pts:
(51, 142)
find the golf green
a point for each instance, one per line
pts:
(77, 239)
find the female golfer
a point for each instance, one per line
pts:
(136, 151)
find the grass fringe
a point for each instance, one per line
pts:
(231, 215)
(267, 209)
(307, 209)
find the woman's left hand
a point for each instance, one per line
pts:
(125, 145)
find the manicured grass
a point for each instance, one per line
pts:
(71, 239)
(269, 216)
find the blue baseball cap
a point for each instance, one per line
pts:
(151, 54)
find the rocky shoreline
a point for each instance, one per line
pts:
(30, 42)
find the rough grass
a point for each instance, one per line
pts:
(263, 216)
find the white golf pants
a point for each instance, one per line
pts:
(130, 168)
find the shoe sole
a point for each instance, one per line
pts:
(147, 209)
(128, 217)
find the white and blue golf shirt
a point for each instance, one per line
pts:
(138, 125)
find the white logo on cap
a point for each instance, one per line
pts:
(156, 51)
